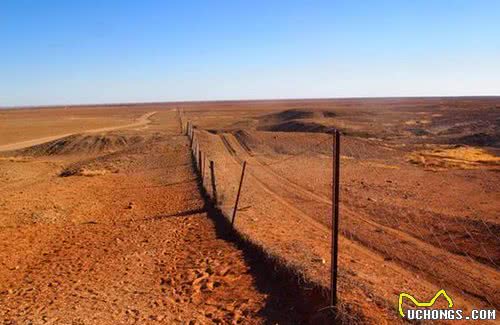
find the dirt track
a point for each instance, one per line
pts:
(124, 236)
(141, 121)
(134, 246)
(390, 242)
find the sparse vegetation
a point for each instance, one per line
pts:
(133, 231)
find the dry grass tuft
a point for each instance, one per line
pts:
(90, 173)
(455, 158)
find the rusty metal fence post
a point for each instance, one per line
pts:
(335, 217)
(199, 161)
(203, 170)
(212, 179)
(239, 192)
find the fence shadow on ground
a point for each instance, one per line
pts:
(290, 300)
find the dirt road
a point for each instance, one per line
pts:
(141, 121)
(132, 246)
(364, 240)
(435, 263)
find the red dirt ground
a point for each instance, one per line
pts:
(132, 245)
(110, 227)
(406, 226)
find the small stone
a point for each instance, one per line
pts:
(319, 260)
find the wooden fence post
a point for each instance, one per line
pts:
(239, 192)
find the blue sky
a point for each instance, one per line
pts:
(61, 52)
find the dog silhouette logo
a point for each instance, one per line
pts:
(417, 303)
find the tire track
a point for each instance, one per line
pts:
(228, 146)
(404, 256)
(141, 121)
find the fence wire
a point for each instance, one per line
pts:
(393, 237)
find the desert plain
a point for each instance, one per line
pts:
(105, 219)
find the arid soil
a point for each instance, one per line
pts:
(86, 124)
(108, 226)
(419, 210)
(127, 241)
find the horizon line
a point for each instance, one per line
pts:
(173, 102)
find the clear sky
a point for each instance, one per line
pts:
(90, 51)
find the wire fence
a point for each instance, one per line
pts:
(394, 235)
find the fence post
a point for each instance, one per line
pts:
(195, 149)
(199, 161)
(203, 169)
(335, 218)
(180, 120)
(212, 177)
(198, 154)
(239, 192)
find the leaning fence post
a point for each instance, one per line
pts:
(335, 217)
(239, 192)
